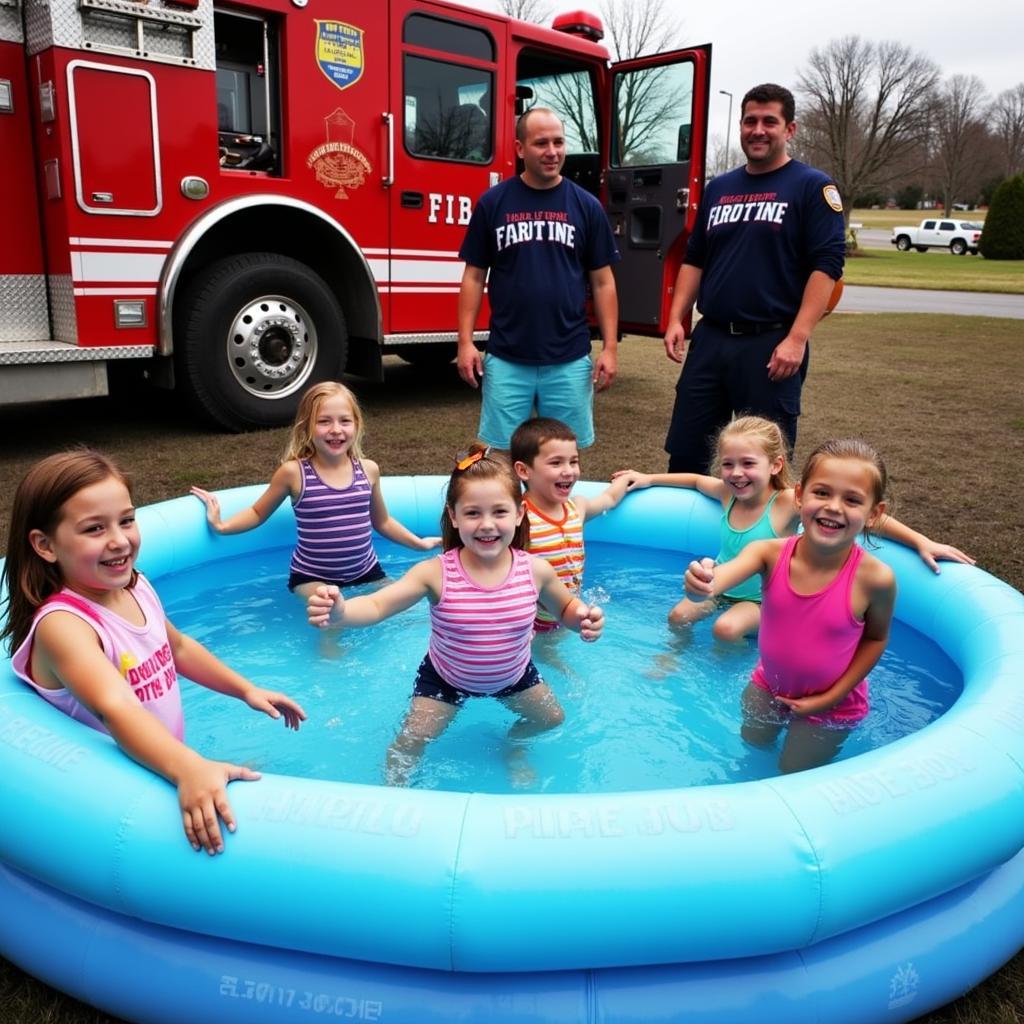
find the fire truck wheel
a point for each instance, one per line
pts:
(428, 356)
(257, 330)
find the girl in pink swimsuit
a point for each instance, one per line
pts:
(483, 593)
(89, 635)
(825, 609)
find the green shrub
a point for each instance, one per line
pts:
(909, 196)
(1003, 234)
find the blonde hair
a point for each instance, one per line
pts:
(39, 501)
(769, 439)
(487, 465)
(858, 450)
(300, 440)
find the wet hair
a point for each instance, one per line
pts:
(300, 440)
(521, 125)
(851, 448)
(489, 465)
(531, 435)
(39, 500)
(768, 438)
(769, 92)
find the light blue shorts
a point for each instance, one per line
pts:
(512, 391)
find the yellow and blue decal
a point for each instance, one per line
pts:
(339, 52)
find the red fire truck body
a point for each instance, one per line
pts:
(254, 197)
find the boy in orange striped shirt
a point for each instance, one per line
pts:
(547, 460)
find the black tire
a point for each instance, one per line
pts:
(958, 247)
(921, 248)
(428, 357)
(255, 331)
(903, 243)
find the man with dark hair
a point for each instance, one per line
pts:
(761, 266)
(543, 239)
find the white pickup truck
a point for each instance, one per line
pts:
(958, 236)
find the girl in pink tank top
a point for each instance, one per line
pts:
(825, 611)
(483, 593)
(89, 635)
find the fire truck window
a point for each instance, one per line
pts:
(448, 111)
(448, 37)
(653, 116)
(247, 101)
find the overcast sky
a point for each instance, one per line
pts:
(756, 41)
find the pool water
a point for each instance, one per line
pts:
(645, 708)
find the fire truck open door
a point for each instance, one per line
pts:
(654, 176)
(444, 144)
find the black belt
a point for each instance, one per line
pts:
(737, 327)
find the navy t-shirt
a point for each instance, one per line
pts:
(539, 245)
(758, 238)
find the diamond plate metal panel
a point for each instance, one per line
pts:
(62, 308)
(25, 353)
(23, 313)
(10, 22)
(170, 34)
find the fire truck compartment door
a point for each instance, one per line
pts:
(114, 140)
(655, 174)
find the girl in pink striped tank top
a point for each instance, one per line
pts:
(825, 610)
(88, 633)
(483, 592)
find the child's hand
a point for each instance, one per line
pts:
(801, 706)
(212, 505)
(634, 481)
(275, 704)
(202, 797)
(931, 552)
(429, 543)
(699, 579)
(321, 603)
(590, 619)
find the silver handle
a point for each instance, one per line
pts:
(389, 175)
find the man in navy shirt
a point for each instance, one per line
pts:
(543, 239)
(761, 266)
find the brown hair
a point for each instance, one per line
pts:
(532, 434)
(769, 92)
(488, 465)
(768, 437)
(39, 501)
(851, 448)
(300, 440)
(522, 128)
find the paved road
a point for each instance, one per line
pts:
(868, 299)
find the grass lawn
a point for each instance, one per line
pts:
(948, 417)
(937, 269)
(888, 219)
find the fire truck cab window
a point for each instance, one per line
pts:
(448, 37)
(653, 116)
(448, 110)
(567, 88)
(247, 102)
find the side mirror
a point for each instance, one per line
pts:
(683, 144)
(523, 94)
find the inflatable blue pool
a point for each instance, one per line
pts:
(875, 888)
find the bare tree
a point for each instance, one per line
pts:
(868, 106)
(958, 136)
(1006, 122)
(537, 11)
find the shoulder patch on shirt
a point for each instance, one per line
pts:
(833, 198)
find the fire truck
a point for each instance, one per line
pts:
(249, 198)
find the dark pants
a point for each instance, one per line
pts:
(723, 376)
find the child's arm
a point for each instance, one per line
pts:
(382, 521)
(283, 484)
(327, 607)
(881, 585)
(74, 657)
(200, 665)
(929, 550)
(710, 486)
(705, 579)
(573, 612)
(607, 499)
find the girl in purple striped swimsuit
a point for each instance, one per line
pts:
(483, 592)
(335, 494)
